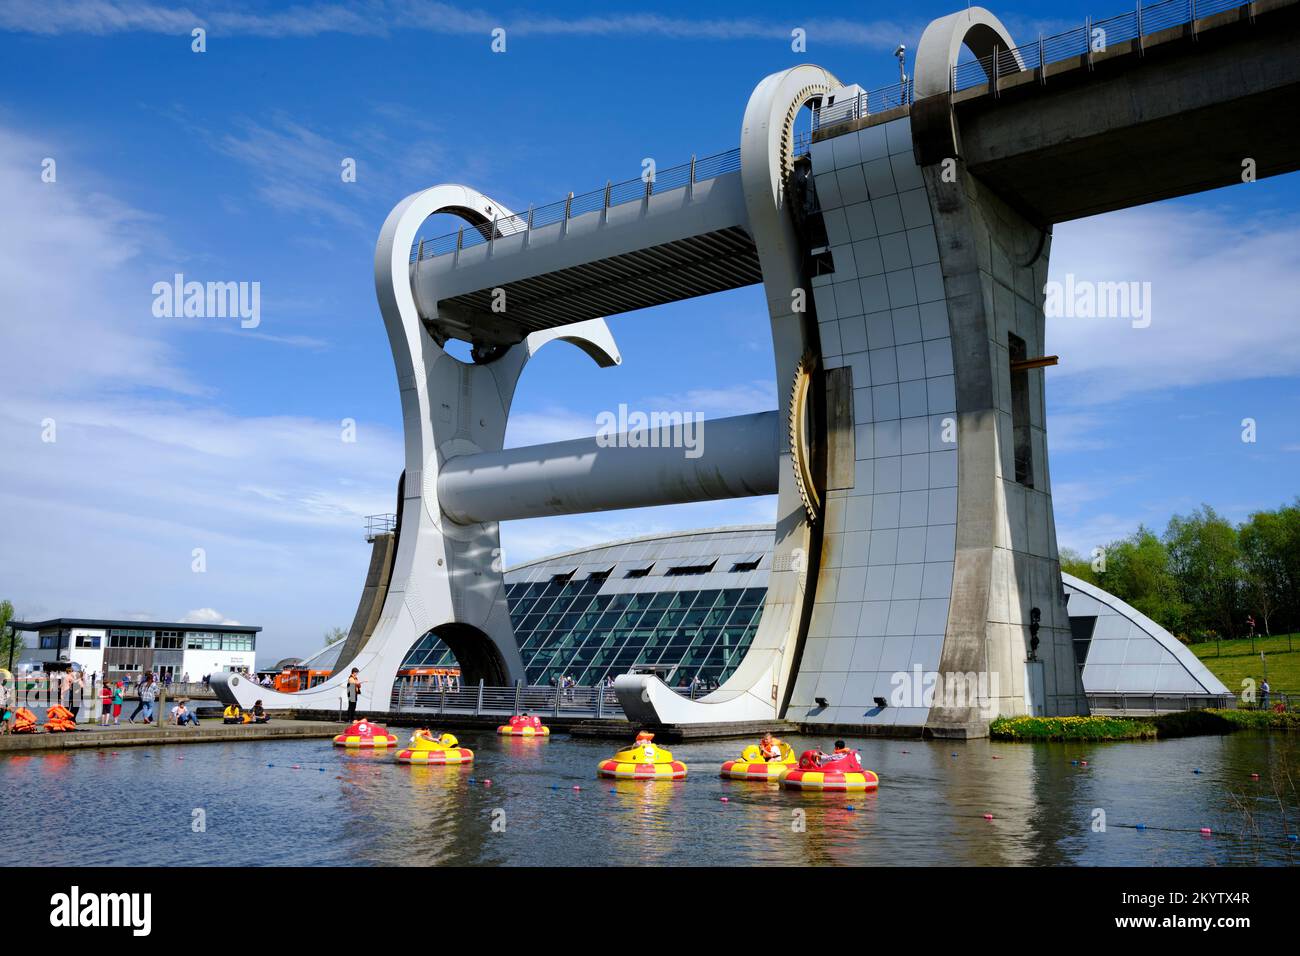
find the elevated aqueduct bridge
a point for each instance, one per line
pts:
(902, 246)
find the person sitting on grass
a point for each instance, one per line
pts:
(232, 715)
(259, 715)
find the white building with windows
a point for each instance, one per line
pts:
(128, 648)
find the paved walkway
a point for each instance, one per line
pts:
(141, 735)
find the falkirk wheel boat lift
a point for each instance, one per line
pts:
(902, 258)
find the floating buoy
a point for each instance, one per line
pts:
(471, 779)
(576, 787)
(1197, 770)
(270, 765)
(905, 751)
(1140, 826)
(1292, 837)
(726, 800)
(996, 757)
(850, 807)
(954, 753)
(1206, 831)
(613, 790)
(1074, 763)
(988, 816)
(487, 783)
(1083, 763)
(1254, 776)
(295, 767)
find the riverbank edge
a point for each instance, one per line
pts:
(1192, 723)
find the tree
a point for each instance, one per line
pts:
(1264, 562)
(11, 642)
(1138, 572)
(1072, 562)
(1205, 558)
(334, 635)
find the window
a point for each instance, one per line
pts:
(639, 572)
(88, 640)
(169, 640)
(130, 637)
(1022, 438)
(684, 569)
(202, 641)
(744, 566)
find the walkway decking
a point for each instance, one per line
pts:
(139, 735)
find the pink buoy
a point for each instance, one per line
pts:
(576, 787)
(1254, 776)
(487, 783)
(726, 799)
(1206, 831)
(988, 816)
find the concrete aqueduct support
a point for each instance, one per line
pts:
(446, 577)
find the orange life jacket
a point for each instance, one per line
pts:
(24, 721)
(58, 719)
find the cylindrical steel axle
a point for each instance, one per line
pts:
(675, 463)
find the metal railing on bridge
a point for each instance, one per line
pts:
(479, 700)
(612, 194)
(864, 104)
(482, 700)
(1091, 37)
(380, 524)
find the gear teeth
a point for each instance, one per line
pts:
(803, 477)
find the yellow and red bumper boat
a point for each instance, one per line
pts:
(753, 766)
(642, 761)
(365, 735)
(838, 772)
(524, 725)
(443, 751)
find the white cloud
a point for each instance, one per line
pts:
(206, 615)
(103, 17)
(147, 462)
(1222, 302)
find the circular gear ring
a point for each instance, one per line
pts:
(801, 452)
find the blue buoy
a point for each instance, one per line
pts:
(555, 786)
(954, 755)
(1197, 770)
(612, 790)
(270, 765)
(1140, 826)
(849, 807)
(471, 779)
(1292, 837)
(1074, 763)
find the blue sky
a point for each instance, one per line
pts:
(176, 434)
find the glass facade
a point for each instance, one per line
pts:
(566, 628)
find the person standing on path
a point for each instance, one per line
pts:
(354, 691)
(148, 694)
(145, 681)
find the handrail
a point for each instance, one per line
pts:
(864, 104)
(380, 524)
(1143, 20)
(610, 195)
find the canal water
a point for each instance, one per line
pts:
(305, 802)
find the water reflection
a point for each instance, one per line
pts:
(306, 802)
